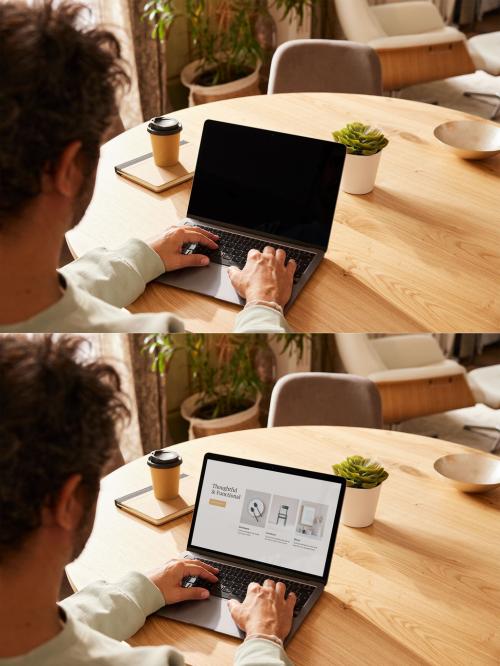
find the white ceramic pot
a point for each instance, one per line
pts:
(360, 505)
(248, 418)
(360, 172)
(248, 85)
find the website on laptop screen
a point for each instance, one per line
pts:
(268, 182)
(271, 517)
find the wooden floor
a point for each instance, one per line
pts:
(490, 23)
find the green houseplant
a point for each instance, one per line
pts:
(226, 376)
(223, 42)
(364, 478)
(364, 146)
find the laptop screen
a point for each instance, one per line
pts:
(269, 183)
(267, 514)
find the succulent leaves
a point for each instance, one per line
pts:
(361, 139)
(360, 472)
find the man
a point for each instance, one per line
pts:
(58, 87)
(60, 423)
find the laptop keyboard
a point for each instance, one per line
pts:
(233, 583)
(233, 250)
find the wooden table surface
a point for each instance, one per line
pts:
(420, 586)
(422, 252)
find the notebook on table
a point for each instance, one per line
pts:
(143, 504)
(143, 170)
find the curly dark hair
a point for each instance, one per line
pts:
(60, 415)
(58, 83)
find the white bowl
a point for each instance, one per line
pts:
(470, 472)
(470, 139)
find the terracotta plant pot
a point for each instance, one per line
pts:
(248, 85)
(360, 505)
(360, 173)
(245, 420)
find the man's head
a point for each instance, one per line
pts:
(59, 424)
(58, 86)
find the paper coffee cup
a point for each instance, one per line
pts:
(165, 134)
(165, 468)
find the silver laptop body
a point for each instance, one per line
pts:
(269, 186)
(269, 537)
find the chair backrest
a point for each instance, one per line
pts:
(325, 65)
(408, 351)
(357, 354)
(407, 18)
(357, 21)
(323, 398)
(366, 356)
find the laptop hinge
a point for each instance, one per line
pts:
(265, 568)
(258, 234)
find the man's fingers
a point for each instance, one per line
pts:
(268, 250)
(234, 275)
(291, 267)
(190, 593)
(269, 583)
(281, 255)
(280, 590)
(187, 260)
(291, 599)
(204, 232)
(203, 565)
(198, 237)
(252, 586)
(233, 604)
(199, 572)
(234, 608)
(253, 253)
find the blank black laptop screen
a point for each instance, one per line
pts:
(268, 182)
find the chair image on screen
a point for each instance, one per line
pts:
(282, 515)
(325, 65)
(323, 398)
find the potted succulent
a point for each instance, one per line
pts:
(364, 479)
(226, 42)
(364, 147)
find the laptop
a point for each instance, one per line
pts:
(255, 187)
(253, 521)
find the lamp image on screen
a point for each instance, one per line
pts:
(312, 518)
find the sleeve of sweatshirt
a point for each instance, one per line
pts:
(260, 319)
(118, 609)
(260, 652)
(119, 276)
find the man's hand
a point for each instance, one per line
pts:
(168, 580)
(264, 610)
(265, 276)
(169, 246)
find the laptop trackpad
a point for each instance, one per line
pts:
(212, 280)
(211, 614)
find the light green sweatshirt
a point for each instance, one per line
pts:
(102, 282)
(102, 615)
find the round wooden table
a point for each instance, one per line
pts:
(420, 586)
(422, 252)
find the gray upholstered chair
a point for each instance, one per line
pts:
(323, 398)
(324, 65)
